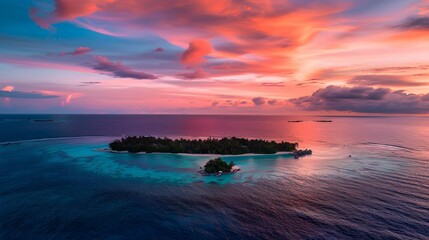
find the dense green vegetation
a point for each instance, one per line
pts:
(231, 145)
(216, 165)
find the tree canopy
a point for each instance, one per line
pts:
(218, 164)
(232, 146)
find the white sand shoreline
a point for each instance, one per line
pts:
(108, 150)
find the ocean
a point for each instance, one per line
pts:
(368, 178)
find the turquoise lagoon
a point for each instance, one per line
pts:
(84, 153)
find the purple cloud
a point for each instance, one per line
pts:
(386, 80)
(91, 82)
(363, 100)
(119, 70)
(273, 102)
(273, 84)
(199, 73)
(258, 101)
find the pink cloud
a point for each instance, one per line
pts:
(77, 51)
(81, 50)
(67, 10)
(69, 97)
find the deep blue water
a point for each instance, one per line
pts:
(54, 186)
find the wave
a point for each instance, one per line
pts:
(390, 146)
(51, 139)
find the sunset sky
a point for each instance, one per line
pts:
(214, 57)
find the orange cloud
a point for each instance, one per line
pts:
(196, 51)
(69, 9)
(8, 88)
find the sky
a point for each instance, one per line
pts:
(334, 57)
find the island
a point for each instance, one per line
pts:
(222, 146)
(217, 167)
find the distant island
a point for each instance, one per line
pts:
(300, 121)
(222, 146)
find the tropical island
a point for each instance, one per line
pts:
(218, 166)
(222, 146)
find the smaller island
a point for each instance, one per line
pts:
(217, 167)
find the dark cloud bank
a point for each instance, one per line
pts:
(119, 70)
(261, 101)
(362, 99)
(419, 23)
(27, 95)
